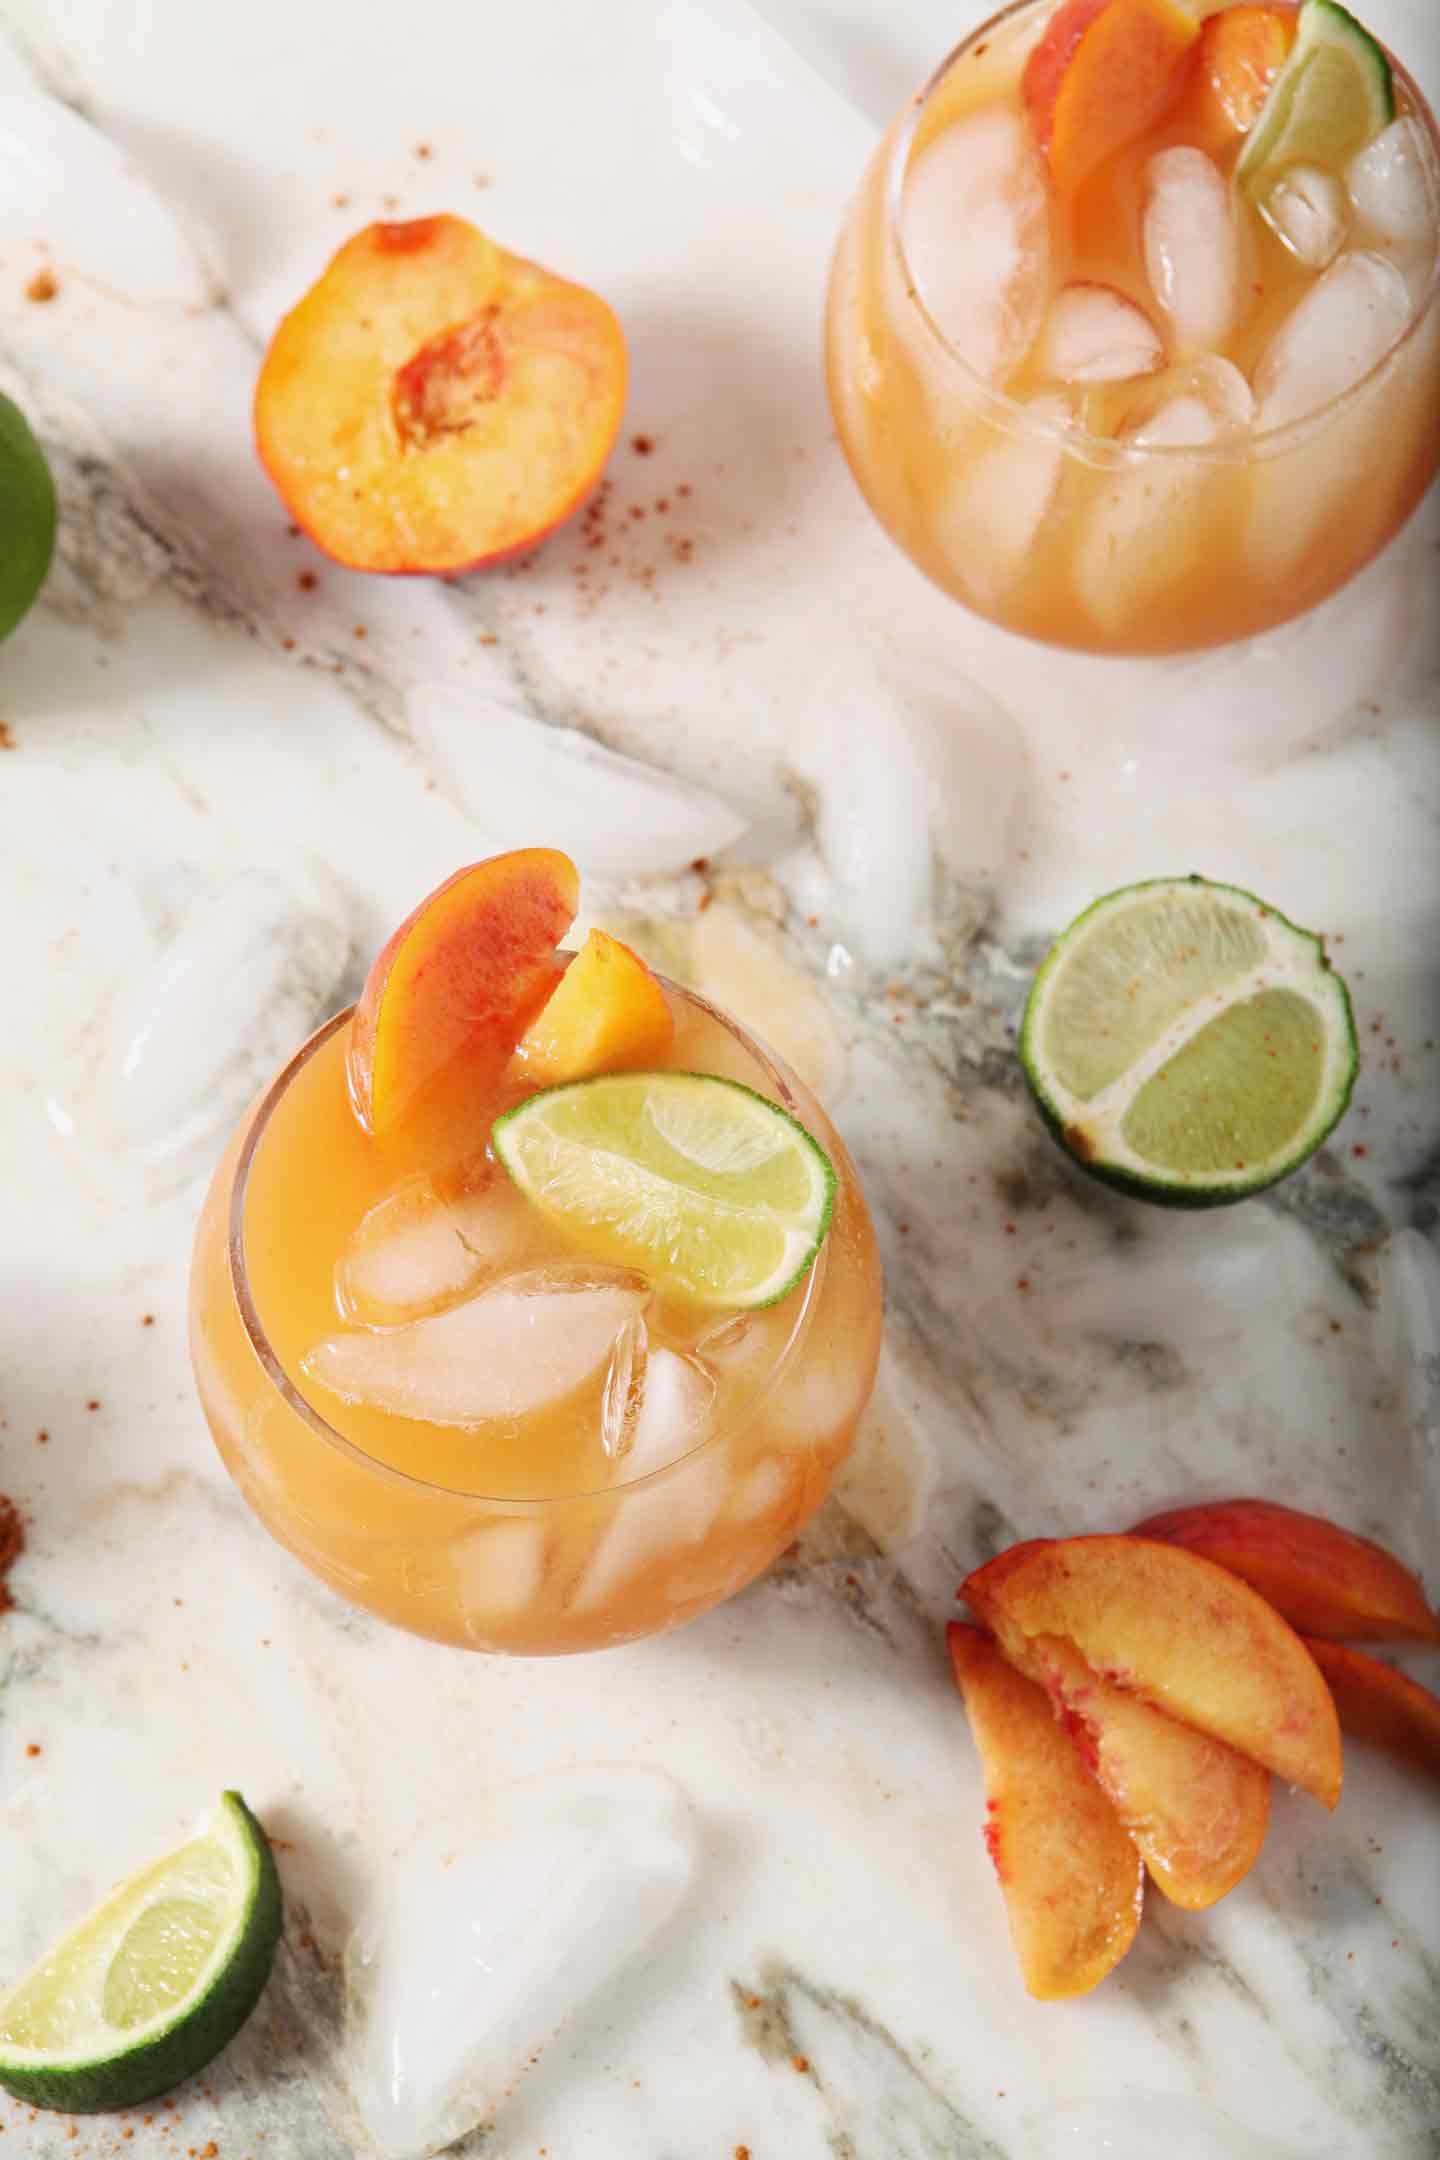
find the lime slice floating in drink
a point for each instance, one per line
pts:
(150, 1987)
(1332, 97)
(1185, 1042)
(712, 1189)
(27, 516)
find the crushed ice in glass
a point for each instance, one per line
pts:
(1392, 187)
(523, 1342)
(1342, 328)
(1001, 499)
(624, 1386)
(481, 1948)
(1094, 334)
(1306, 208)
(980, 182)
(1192, 253)
(416, 1252)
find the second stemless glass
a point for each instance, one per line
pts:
(564, 1571)
(1083, 540)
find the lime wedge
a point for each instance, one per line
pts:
(712, 1189)
(1332, 97)
(150, 1987)
(1185, 1042)
(27, 516)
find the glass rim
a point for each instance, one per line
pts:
(1107, 450)
(274, 1371)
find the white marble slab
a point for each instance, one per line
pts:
(204, 749)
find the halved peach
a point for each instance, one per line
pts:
(608, 1014)
(1071, 1876)
(1324, 1580)
(1102, 77)
(435, 403)
(1240, 52)
(457, 985)
(1196, 1808)
(1181, 1632)
(1380, 1704)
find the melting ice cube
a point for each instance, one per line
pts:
(499, 1570)
(977, 236)
(991, 516)
(1143, 518)
(517, 776)
(415, 1252)
(479, 1951)
(678, 1398)
(1307, 209)
(527, 1341)
(1342, 328)
(1094, 334)
(624, 1388)
(1192, 254)
(1392, 187)
(252, 966)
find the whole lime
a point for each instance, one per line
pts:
(27, 516)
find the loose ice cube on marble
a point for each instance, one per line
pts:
(485, 1944)
(976, 233)
(512, 1348)
(1306, 208)
(1192, 252)
(1343, 327)
(1094, 334)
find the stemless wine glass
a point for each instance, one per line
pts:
(1094, 515)
(540, 1570)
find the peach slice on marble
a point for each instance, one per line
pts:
(1196, 1808)
(434, 403)
(1181, 1632)
(1381, 1704)
(1071, 1875)
(607, 1014)
(457, 985)
(1324, 1580)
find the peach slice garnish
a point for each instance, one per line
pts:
(456, 986)
(1322, 1579)
(1182, 1633)
(1240, 53)
(1071, 1876)
(435, 403)
(1196, 1808)
(1102, 76)
(1380, 1704)
(608, 1014)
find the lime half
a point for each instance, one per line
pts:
(709, 1187)
(1186, 1043)
(27, 516)
(155, 1982)
(1332, 97)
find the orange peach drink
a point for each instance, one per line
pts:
(1132, 332)
(442, 1347)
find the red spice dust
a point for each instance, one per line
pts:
(12, 1544)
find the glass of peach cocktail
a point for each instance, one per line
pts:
(535, 1304)
(1132, 332)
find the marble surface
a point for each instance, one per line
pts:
(228, 768)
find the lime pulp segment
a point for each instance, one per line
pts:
(153, 1983)
(707, 1185)
(1332, 97)
(27, 516)
(1186, 1041)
